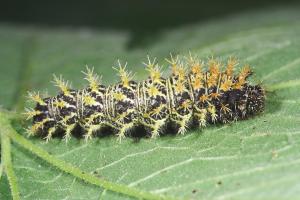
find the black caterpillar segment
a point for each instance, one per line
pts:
(196, 93)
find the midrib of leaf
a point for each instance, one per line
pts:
(7, 132)
(6, 162)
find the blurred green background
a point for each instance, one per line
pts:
(144, 19)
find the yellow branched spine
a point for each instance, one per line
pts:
(125, 76)
(154, 70)
(92, 78)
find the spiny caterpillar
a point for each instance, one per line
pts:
(196, 93)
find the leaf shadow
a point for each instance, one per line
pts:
(273, 102)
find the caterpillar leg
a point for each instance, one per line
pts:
(212, 113)
(201, 117)
(225, 113)
(124, 128)
(47, 126)
(92, 124)
(35, 128)
(68, 131)
(123, 122)
(68, 123)
(50, 133)
(155, 126)
(183, 123)
(90, 130)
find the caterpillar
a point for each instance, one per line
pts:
(196, 93)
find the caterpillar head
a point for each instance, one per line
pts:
(255, 99)
(247, 101)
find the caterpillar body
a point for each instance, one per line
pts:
(196, 93)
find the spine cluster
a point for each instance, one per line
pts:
(196, 93)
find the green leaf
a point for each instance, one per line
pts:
(257, 158)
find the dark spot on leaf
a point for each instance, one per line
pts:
(219, 182)
(98, 176)
(194, 191)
